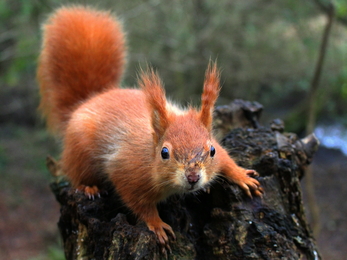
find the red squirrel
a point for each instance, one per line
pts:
(146, 146)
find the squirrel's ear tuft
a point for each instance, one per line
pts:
(210, 94)
(155, 94)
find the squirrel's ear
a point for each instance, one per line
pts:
(155, 94)
(209, 95)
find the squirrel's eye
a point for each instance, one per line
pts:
(165, 153)
(212, 151)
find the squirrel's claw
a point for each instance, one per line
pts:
(89, 191)
(252, 173)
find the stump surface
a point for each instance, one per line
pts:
(220, 223)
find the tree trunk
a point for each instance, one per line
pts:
(312, 115)
(219, 223)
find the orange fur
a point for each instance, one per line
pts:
(73, 65)
(210, 94)
(145, 146)
(155, 95)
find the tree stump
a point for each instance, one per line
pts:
(220, 222)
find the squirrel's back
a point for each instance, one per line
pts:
(83, 53)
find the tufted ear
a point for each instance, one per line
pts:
(155, 94)
(209, 95)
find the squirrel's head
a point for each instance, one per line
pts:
(184, 154)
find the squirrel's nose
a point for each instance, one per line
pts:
(193, 178)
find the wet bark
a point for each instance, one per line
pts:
(220, 223)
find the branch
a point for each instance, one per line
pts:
(326, 8)
(318, 71)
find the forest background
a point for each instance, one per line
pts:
(267, 51)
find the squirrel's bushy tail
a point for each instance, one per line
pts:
(83, 53)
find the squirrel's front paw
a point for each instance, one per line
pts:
(159, 231)
(247, 182)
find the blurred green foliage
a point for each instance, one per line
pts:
(53, 253)
(266, 49)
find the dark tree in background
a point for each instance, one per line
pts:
(312, 112)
